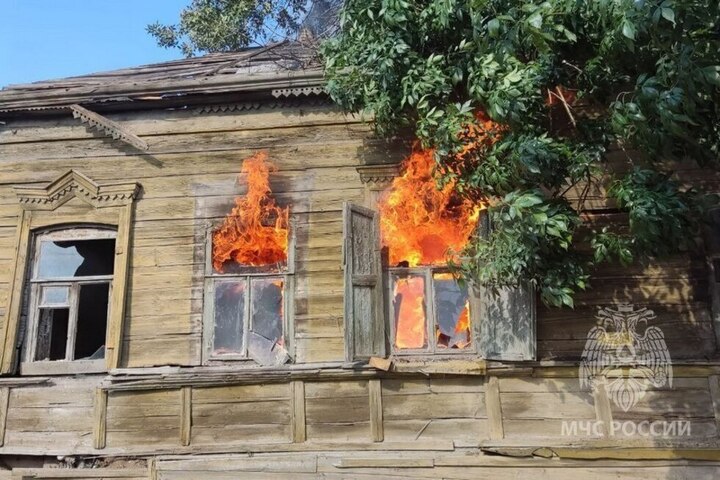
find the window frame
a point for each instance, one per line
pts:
(71, 199)
(428, 272)
(211, 278)
(33, 303)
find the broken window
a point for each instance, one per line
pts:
(247, 273)
(430, 311)
(70, 285)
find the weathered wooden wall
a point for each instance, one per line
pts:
(427, 426)
(189, 180)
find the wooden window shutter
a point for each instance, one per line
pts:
(507, 318)
(364, 312)
(507, 326)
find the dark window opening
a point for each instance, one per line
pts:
(52, 334)
(92, 321)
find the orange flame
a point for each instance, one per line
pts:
(255, 233)
(420, 224)
(424, 225)
(409, 298)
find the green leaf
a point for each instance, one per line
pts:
(570, 35)
(668, 14)
(493, 27)
(628, 29)
(535, 20)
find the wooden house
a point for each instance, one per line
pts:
(126, 354)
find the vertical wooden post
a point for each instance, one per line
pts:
(100, 418)
(603, 411)
(714, 386)
(185, 415)
(494, 409)
(12, 317)
(4, 402)
(152, 468)
(299, 432)
(377, 430)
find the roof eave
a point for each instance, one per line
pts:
(129, 92)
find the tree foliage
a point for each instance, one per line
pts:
(228, 25)
(564, 80)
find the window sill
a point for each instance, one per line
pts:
(453, 364)
(63, 367)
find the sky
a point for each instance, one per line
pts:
(48, 39)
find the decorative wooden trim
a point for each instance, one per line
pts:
(377, 431)
(100, 418)
(299, 430)
(185, 415)
(113, 205)
(12, 317)
(714, 386)
(74, 184)
(4, 403)
(494, 409)
(603, 411)
(378, 175)
(118, 299)
(298, 91)
(228, 107)
(107, 126)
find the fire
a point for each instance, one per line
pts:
(420, 224)
(255, 233)
(423, 225)
(409, 298)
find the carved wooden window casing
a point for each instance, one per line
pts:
(45, 292)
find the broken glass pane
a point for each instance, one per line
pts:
(267, 308)
(52, 333)
(229, 317)
(91, 320)
(452, 311)
(410, 311)
(55, 296)
(76, 258)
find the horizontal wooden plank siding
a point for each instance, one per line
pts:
(51, 418)
(241, 414)
(143, 418)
